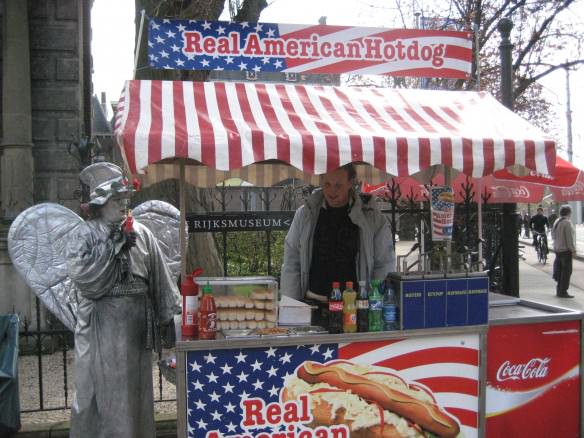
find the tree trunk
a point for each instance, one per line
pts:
(202, 249)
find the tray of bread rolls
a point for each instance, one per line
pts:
(244, 303)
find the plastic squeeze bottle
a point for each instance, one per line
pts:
(207, 314)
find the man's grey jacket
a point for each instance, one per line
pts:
(376, 256)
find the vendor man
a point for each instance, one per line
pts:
(335, 236)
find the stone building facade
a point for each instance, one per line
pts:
(45, 111)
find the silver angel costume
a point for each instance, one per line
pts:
(118, 317)
(113, 296)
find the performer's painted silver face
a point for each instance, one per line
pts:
(114, 210)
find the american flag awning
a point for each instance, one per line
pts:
(268, 132)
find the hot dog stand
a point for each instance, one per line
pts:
(453, 364)
(203, 133)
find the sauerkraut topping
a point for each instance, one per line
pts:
(358, 412)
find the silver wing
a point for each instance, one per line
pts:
(36, 244)
(163, 220)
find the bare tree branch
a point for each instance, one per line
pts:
(536, 35)
(525, 82)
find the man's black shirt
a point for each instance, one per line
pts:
(539, 223)
(334, 250)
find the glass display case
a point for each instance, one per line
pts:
(244, 302)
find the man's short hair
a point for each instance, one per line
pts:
(539, 209)
(565, 210)
(351, 171)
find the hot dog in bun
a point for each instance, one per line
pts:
(446, 197)
(371, 401)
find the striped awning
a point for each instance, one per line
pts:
(273, 131)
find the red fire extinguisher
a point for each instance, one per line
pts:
(190, 291)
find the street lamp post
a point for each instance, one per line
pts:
(509, 235)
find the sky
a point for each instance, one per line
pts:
(113, 47)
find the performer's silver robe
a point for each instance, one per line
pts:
(118, 318)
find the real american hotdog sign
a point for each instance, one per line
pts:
(296, 48)
(423, 387)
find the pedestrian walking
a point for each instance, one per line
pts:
(565, 247)
(526, 225)
(552, 218)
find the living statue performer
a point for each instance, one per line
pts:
(114, 285)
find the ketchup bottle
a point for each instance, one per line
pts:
(129, 222)
(189, 290)
(207, 314)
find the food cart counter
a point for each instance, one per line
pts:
(518, 374)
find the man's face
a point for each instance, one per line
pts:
(336, 187)
(540, 212)
(115, 209)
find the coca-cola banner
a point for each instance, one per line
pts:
(572, 193)
(533, 380)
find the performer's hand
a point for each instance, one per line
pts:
(130, 240)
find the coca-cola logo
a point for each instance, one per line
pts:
(536, 368)
(540, 175)
(575, 189)
(510, 192)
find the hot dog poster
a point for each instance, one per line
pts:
(442, 208)
(533, 380)
(422, 387)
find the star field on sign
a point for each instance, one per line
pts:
(219, 380)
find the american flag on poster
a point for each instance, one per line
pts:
(220, 381)
(442, 208)
(296, 48)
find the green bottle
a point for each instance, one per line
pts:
(375, 308)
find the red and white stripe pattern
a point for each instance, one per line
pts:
(456, 56)
(316, 129)
(447, 365)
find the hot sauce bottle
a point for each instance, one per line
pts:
(207, 314)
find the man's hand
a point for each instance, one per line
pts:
(130, 238)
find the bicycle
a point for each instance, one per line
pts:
(541, 247)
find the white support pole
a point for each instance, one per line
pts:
(448, 182)
(138, 42)
(183, 215)
(475, 28)
(480, 218)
